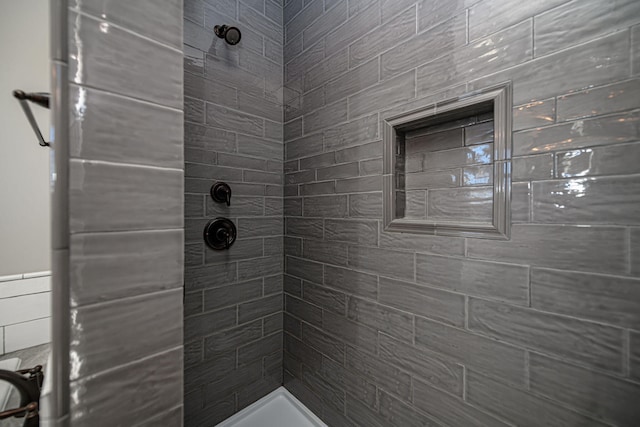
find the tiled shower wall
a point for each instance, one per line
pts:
(390, 329)
(233, 133)
(126, 212)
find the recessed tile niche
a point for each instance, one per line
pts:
(447, 167)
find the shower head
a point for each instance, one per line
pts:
(231, 35)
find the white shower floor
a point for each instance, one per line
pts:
(277, 409)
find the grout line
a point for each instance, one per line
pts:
(126, 30)
(527, 370)
(122, 96)
(626, 353)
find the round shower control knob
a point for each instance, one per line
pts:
(220, 233)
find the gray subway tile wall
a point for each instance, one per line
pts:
(126, 213)
(234, 133)
(388, 329)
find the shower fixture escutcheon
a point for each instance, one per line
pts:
(220, 233)
(221, 193)
(231, 35)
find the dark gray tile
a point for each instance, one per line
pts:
(422, 243)
(327, 299)
(593, 344)
(331, 67)
(351, 333)
(209, 276)
(379, 372)
(634, 355)
(361, 413)
(360, 152)
(208, 138)
(325, 206)
(424, 47)
(482, 57)
(365, 205)
(208, 323)
(251, 310)
(397, 412)
(532, 167)
(472, 350)
(255, 351)
(461, 204)
(331, 397)
(351, 231)
(326, 252)
(331, 18)
(570, 70)
(387, 93)
(227, 340)
(123, 130)
(324, 117)
(259, 147)
(304, 269)
(343, 378)
(534, 114)
(345, 170)
(584, 133)
(240, 250)
(318, 188)
(87, 64)
(436, 304)
(403, 27)
(503, 282)
(323, 343)
(382, 261)
(432, 180)
(113, 197)
(320, 160)
(303, 310)
(488, 18)
(304, 227)
(232, 294)
(616, 159)
(302, 352)
(449, 409)
(353, 81)
(587, 201)
(123, 408)
(359, 24)
(359, 185)
(240, 206)
(258, 267)
(423, 364)
(601, 249)
(153, 322)
(609, 398)
(225, 118)
(251, 18)
(109, 266)
(371, 167)
(603, 19)
(612, 98)
(260, 227)
(381, 318)
(351, 281)
(607, 299)
(518, 406)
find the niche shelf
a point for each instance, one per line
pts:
(447, 167)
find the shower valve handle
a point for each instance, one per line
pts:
(221, 193)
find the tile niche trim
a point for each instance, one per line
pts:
(496, 100)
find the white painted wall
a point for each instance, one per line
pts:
(24, 165)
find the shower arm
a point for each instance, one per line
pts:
(42, 99)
